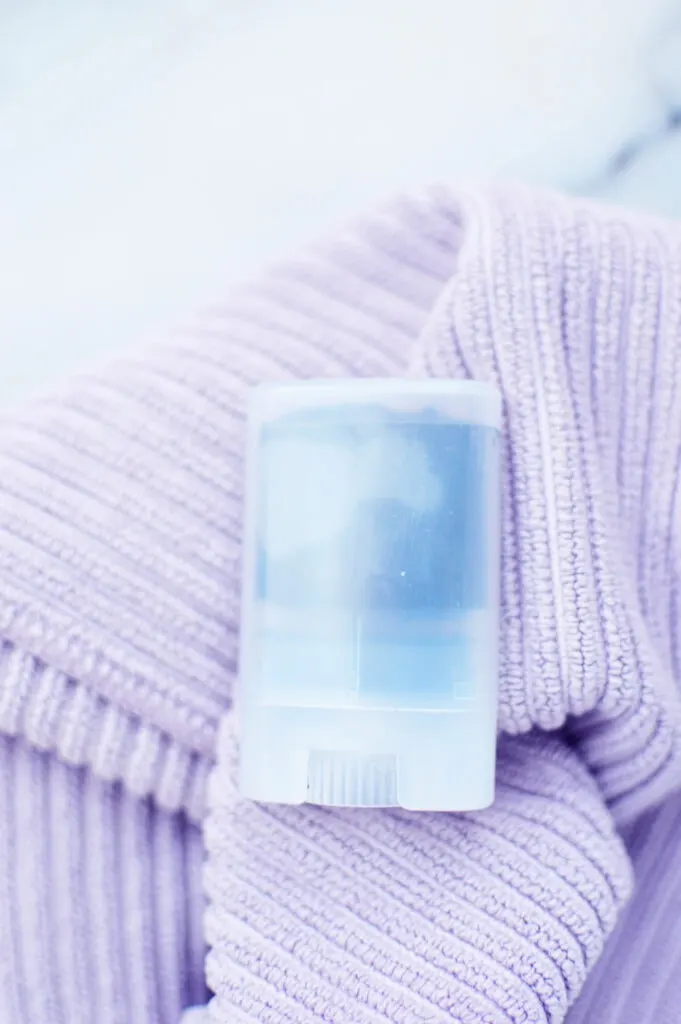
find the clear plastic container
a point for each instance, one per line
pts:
(369, 649)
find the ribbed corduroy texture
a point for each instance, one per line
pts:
(577, 317)
(119, 549)
(359, 916)
(639, 976)
(100, 899)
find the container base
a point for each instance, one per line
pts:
(419, 760)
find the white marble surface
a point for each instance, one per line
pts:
(152, 152)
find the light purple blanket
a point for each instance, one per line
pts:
(120, 505)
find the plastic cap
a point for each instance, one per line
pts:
(371, 591)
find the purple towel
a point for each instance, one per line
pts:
(120, 504)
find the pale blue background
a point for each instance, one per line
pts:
(153, 152)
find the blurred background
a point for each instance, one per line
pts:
(154, 152)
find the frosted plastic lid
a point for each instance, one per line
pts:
(371, 593)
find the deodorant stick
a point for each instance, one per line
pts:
(369, 648)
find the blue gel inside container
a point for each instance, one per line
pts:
(403, 555)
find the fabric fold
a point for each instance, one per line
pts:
(574, 312)
(120, 499)
(100, 899)
(341, 915)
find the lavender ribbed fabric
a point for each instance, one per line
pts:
(120, 503)
(100, 899)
